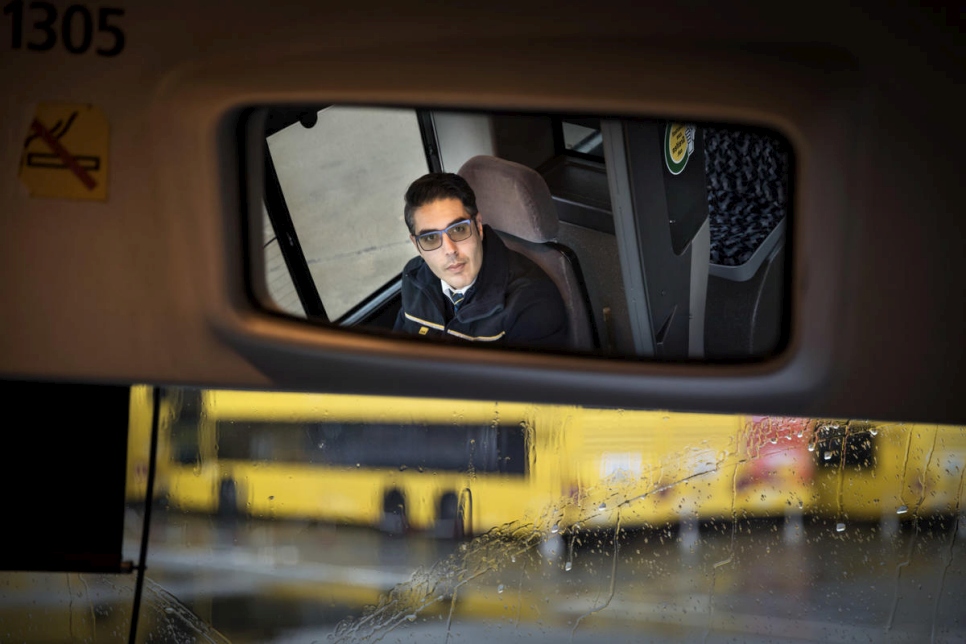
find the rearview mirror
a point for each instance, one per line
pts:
(658, 238)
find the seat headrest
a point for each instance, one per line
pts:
(512, 198)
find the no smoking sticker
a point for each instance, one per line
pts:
(65, 152)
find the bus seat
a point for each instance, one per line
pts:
(747, 179)
(516, 202)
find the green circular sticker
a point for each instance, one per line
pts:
(678, 146)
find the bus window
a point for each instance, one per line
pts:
(348, 168)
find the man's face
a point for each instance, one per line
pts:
(456, 263)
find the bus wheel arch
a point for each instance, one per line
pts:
(452, 515)
(228, 498)
(395, 519)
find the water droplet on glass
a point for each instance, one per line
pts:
(411, 617)
(513, 558)
(555, 529)
(602, 506)
(811, 447)
(827, 456)
(840, 527)
(499, 589)
(168, 610)
(902, 509)
(568, 565)
(403, 468)
(874, 432)
(773, 440)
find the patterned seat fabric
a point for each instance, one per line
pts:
(747, 176)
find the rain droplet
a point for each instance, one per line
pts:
(874, 432)
(168, 610)
(902, 509)
(840, 527)
(602, 506)
(811, 447)
(411, 617)
(827, 456)
(513, 558)
(555, 529)
(499, 589)
(773, 440)
(568, 565)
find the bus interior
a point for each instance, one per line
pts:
(697, 250)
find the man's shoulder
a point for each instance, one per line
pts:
(413, 267)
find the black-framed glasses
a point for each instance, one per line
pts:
(457, 232)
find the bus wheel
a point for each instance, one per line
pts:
(227, 498)
(394, 520)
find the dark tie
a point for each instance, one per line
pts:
(457, 300)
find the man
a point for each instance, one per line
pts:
(466, 284)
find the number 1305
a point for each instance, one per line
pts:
(75, 27)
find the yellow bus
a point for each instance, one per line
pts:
(439, 467)
(457, 468)
(889, 472)
(646, 468)
(464, 467)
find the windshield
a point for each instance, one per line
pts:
(300, 518)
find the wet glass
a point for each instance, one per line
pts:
(340, 518)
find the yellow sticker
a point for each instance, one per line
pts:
(678, 146)
(65, 152)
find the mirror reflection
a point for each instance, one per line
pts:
(625, 237)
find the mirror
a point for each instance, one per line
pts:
(624, 237)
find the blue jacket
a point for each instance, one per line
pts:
(513, 302)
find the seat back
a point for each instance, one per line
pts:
(747, 178)
(515, 201)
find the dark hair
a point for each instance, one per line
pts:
(435, 186)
